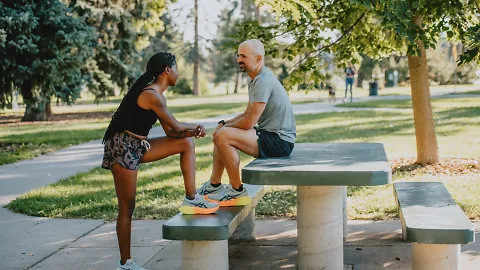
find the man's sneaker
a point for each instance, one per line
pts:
(231, 197)
(198, 206)
(207, 189)
(129, 265)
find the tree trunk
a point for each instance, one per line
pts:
(427, 148)
(196, 65)
(257, 15)
(37, 109)
(238, 82)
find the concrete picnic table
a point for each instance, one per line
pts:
(321, 171)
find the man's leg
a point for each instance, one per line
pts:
(218, 167)
(229, 141)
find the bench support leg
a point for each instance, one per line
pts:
(345, 232)
(201, 255)
(320, 227)
(435, 257)
(246, 230)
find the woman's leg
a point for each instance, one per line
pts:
(346, 87)
(125, 185)
(351, 86)
(163, 147)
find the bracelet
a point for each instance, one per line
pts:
(221, 122)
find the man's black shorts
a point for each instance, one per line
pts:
(271, 145)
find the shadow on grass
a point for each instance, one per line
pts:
(92, 194)
(159, 193)
(368, 128)
(278, 203)
(456, 113)
(374, 124)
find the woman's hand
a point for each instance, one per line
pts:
(200, 131)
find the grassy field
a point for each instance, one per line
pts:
(20, 141)
(160, 188)
(471, 92)
(438, 103)
(85, 121)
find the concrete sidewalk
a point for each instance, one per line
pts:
(26, 241)
(370, 245)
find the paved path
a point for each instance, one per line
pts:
(370, 245)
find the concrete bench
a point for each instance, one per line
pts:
(205, 237)
(434, 223)
(321, 171)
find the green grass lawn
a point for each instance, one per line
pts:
(471, 92)
(397, 104)
(160, 188)
(438, 103)
(30, 140)
(19, 142)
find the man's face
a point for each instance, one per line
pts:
(246, 59)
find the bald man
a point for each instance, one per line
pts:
(266, 129)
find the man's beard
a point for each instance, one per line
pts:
(242, 67)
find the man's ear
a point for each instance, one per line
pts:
(259, 58)
(167, 70)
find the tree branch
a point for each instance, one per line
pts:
(478, 6)
(294, 28)
(331, 44)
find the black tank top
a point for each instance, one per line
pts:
(142, 120)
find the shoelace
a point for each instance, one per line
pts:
(145, 144)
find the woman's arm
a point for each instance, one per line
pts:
(151, 100)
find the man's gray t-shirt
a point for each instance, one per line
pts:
(278, 114)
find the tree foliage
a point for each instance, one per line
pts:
(372, 27)
(54, 48)
(123, 29)
(42, 53)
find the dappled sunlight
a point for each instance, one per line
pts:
(160, 187)
(44, 132)
(206, 148)
(97, 178)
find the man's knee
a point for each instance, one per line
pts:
(223, 136)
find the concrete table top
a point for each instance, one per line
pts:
(323, 164)
(430, 215)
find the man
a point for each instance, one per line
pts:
(270, 108)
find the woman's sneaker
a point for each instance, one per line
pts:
(198, 206)
(231, 197)
(129, 265)
(207, 189)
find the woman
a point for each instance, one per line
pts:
(126, 146)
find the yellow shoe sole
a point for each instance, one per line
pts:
(235, 202)
(188, 210)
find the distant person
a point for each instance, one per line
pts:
(266, 129)
(350, 72)
(331, 94)
(127, 145)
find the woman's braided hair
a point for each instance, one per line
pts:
(122, 118)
